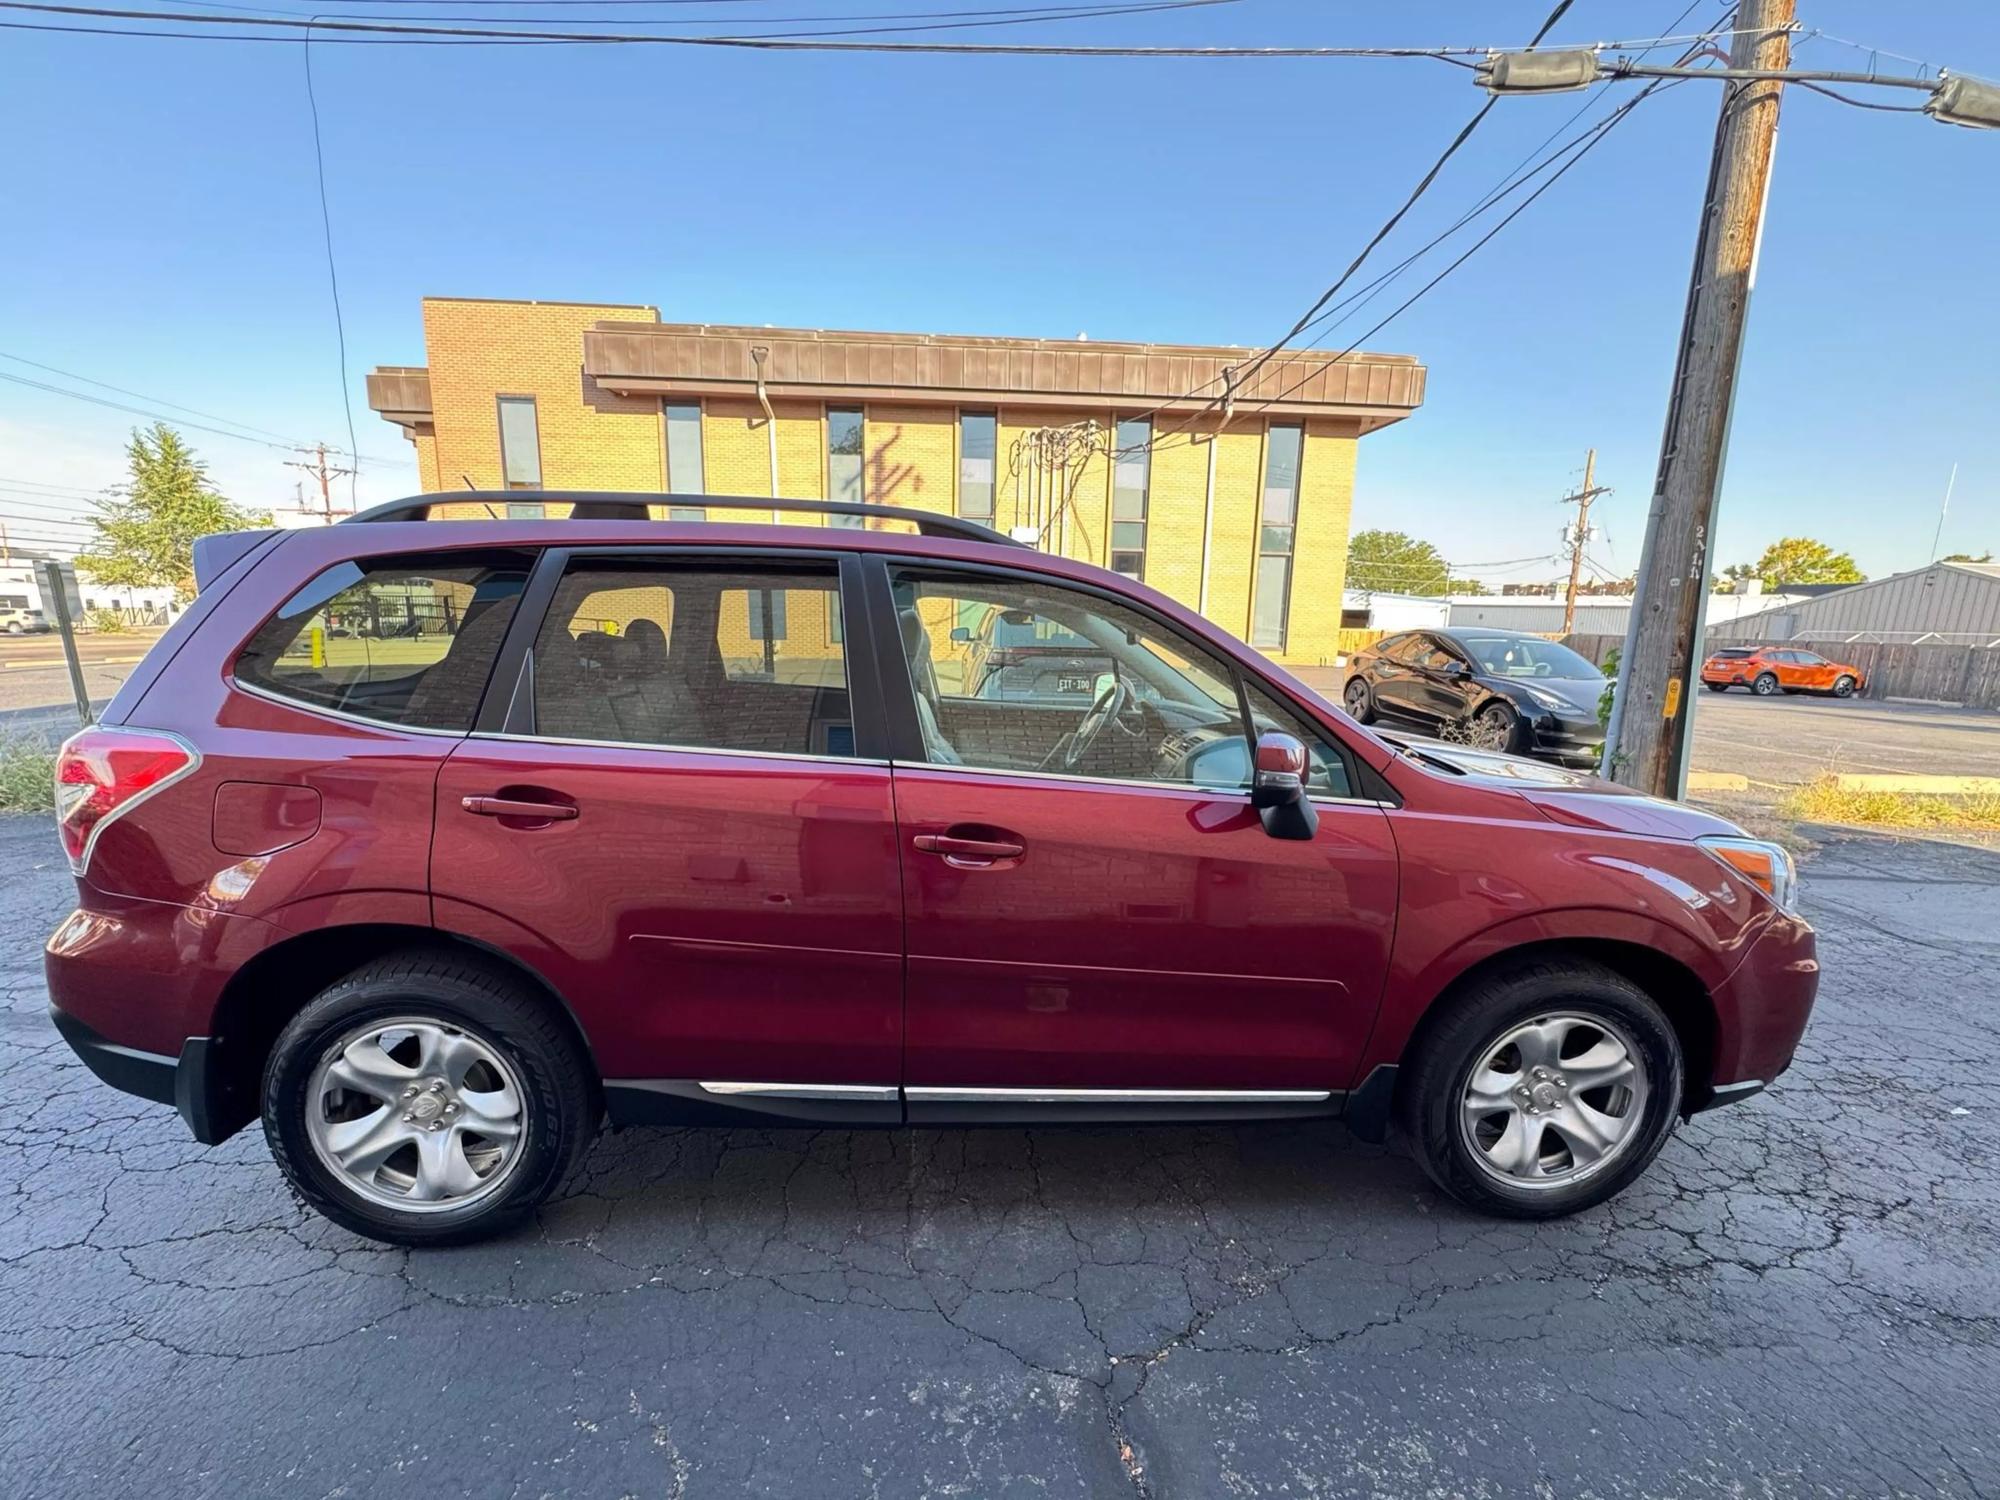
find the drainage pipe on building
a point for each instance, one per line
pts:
(758, 354)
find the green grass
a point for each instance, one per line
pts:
(27, 775)
(1824, 801)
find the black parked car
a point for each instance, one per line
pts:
(1492, 689)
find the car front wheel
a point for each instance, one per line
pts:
(424, 1100)
(1544, 1089)
(1492, 728)
(1844, 687)
(1360, 706)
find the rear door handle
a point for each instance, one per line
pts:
(508, 807)
(967, 854)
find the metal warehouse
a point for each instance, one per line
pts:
(1948, 603)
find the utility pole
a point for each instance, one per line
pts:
(317, 468)
(1581, 500)
(1646, 741)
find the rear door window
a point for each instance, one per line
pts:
(401, 640)
(692, 657)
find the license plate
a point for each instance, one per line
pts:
(1073, 683)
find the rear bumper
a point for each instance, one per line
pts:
(188, 1082)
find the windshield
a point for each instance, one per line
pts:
(1527, 656)
(1032, 630)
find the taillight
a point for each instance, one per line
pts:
(103, 772)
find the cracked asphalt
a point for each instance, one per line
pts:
(1802, 1297)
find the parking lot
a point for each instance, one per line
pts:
(1798, 1299)
(1788, 740)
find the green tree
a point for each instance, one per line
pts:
(1725, 582)
(1465, 586)
(1984, 557)
(1800, 559)
(1395, 563)
(146, 532)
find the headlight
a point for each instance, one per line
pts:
(1766, 866)
(1545, 698)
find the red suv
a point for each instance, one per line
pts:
(436, 842)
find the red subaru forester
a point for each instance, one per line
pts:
(435, 842)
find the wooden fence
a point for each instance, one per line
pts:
(1937, 673)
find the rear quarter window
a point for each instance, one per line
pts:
(402, 640)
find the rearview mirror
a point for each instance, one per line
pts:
(1278, 787)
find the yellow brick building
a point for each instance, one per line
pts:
(1228, 488)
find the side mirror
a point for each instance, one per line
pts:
(1278, 788)
(1456, 668)
(961, 632)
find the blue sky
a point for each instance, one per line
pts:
(164, 235)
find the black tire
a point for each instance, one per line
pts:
(1843, 686)
(1360, 703)
(1435, 1074)
(561, 1101)
(1765, 685)
(1500, 722)
(1716, 687)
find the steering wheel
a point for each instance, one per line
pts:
(1070, 751)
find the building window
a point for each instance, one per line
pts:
(1131, 474)
(526, 510)
(767, 614)
(520, 444)
(1276, 529)
(684, 472)
(978, 437)
(844, 434)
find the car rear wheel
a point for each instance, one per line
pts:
(1543, 1090)
(1716, 687)
(1843, 687)
(1360, 704)
(424, 1100)
(1765, 685)
(1492, 728)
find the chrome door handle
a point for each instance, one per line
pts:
(508, 807)
(967, 854)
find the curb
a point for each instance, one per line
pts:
(1940, 786)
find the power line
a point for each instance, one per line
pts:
(378, 29)
(915, 20)
(37, 484)
(1591, 139)
(332, 275)
(139, 411)
(106, 385)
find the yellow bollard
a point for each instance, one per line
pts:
(319, 645)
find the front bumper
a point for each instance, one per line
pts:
(188, 1082)
(1572, 741)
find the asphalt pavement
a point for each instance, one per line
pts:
(1793, 739)
(1801, 1298)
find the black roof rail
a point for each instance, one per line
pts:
(631, 505)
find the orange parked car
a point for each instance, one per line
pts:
(1779, 669)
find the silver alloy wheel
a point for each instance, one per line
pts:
(1553, 1100)
(1357, 698)
(1492, 728)
(416, 1115)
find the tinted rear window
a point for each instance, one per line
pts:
(404, 640)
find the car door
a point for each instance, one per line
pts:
(1093, 921)
(1392, 679)
(675, 809)
(1814, 671)
(1442, 682)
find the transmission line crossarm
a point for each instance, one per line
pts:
(1580, 537)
